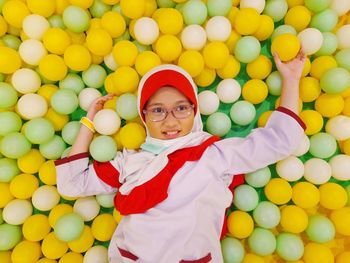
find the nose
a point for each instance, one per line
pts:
(170, 120)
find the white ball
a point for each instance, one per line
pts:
(110, 62)
(107, 122)
(208, 102)
(258, 5)
(228, 90)
(146, 30)
(303, 146)
(343, 36)
(86, 207)
(218, 28)
(96, 254)
(193, 37)
(106, 200)
(340, 6)
(32, 106)
(45, 198)
(26, 80)
(311, 40)
(340, 167)
(34, 26)
(317, 171)
(17, 211)
(290, 169)
(32, 51)
(339, 127)
(87, 96)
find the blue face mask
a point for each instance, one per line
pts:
(153, 148)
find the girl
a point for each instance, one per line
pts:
(174, 191)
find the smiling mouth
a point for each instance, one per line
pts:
(171, 134)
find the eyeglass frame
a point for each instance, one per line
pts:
(144, 111)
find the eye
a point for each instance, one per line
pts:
(157, 110)
(183, 108)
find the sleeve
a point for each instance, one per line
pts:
(77, 178)
(263, 146)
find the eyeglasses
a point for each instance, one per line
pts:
(159, 114)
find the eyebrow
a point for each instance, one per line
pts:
(161, 104)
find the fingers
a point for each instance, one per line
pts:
(277, 59)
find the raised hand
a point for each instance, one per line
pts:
(97, 105)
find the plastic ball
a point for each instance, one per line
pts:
(73, 82)
(278, 191)
(267, 215)
(320, 229)
(242, 112)
(87, 96)
(14, 12)
(76, 19)
(265, 28)
(283, 29)
(240, 224)
(289, 246)
(58, 120)
(329, 44)
(247, 49)
(168, 47)
(215, 54)
(45, 198)
(343, 36)
(322, 145)
(125, 53)
(8, 170)
(53, 148)
(193, 37)
(228, 90)
(39, 130)
(87, 208)
(77, 57)
(132, 135)
(257, 5)
(99, 253)
(260, 68)
(324, 21)
(192, 61)
(170, 21)
(298, 17)
(286, 45)
(333, 196)
(23, 186)
(99, 42)
(32, 106)
(311, 40)
(52, 247)
(5, 195)
(56, 40)
(125, 79)
(262, 242)
(317, 6)
(36, 227)
(126, 106)
(290, 168)
(64, 101)
(303, 146)
(103, 148)
(10, 60)
(317, 171)
(53, 67)
(113, 23)
(340, 6)
(247, 21)
(34, 26)
(343, 257)
(218, 124)
(206, 77)
(146, 30)
(340, 167)
(252, 258)
(259, 178)
(231, 68)
(17, 211)
(106, 122)
(232, 250)
(338, 127)
(305, 195)
(103, 227)
(32, 51)
(313, 121)
(105, 200)
(245, 198)
(11, 235)
(293, 219)
(8, 95)
(133, 9)
(340, 219)
(314, 252)
(14, 145)
(342, 57)
(208, 102)
(69, 227)
(10, 122)
(70, 131)
(274, 83)
(83, 243)
(255, 91)
(276, 9)
(57, 211)
(309, 89)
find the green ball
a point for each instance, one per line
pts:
(52, 149)
(11, 41)
(232, 250)
(322, 145)
(283, 29)
(125, 36)
(76, 19)
(56, 21)
(259, 178)
(289, 246)
(180, 6)
(118, 9)
(9, 122)
(274, 83)
(14, 145)
(343, 58)
(66, 152)
(317, 6)
(276, 9)
(141, 47)
(8, 170)
(98, 8)
(39, 130)
(126, 106)
(94, 76)
(246, 198)
(320, 229)
(267, 215)
(329, 44)
(166, 3)
(1, 218)
(335, 80)
(219, 7)
(247, 49)
(218, 124)
(194, 12)
(64, 101)
(2, 77)
(242, 112)
(325, 21)
(8, 95)
(10, 236)
(70, 132)
(103, 148)
(105, 200)
(73, 82)
(2, 2)
(262, 242)
(69, 227)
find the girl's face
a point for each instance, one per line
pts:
(168, 98)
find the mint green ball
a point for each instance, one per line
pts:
(2, 2)
(262, 242)
(247, 49)
(69, 227)
(10, 236)
(343, 58)
(9, 122)
(166, 3)
(320, 229)
(94, 76)
(335, 80)
(317, 6)
(11, 41)
(98, 8)
(283, 29)
(325, 21)
(126, 106)
(73, 82)
(276, 9)
(329, 44)
(66, 152)
(125, 36)
(242, 112)
(76, 19)
(322, 145)
(246, 198)
(218, 124)
(141, 47)
(259, 178)
(180, 6)
(52, 149)
(267, 215)
(14, 145)
(103, 148)
(105, 200)
(2, 77)
(1, 218)
(56, 21)
(232, 250)
(289, 246)
(219, 7)
(8, 95)
(64, 101)
(70, 131)
(274, 83)
(194, 12)
(39, 130)
(8, 170)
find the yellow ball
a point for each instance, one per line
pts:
(10, 60)
(329, 105)
(46, 260)
(305, 195)
(77, 38)
(58, 211)
(231, 69)
(321, 64)
(145, 61)
(125, 53)
(205, 78)
(56, 40)
(286, 45)
(99, 42)
(294, 219)
(343, 257)
(346, 110)
(47, 173)
(53, 67)
(5, 194)
(264, 117)
(278, 191)
(151, 7)
(116, 138)
(82, 3)
(71, 257)
(247, 21)
(233, 13)
(168, 47)
(333, 196)
(61, 5)
(317, 253)
(110, 104)
(45, 8)
(252, 258)
(84, 242)
(26, 252)
(36, 227)
(215, 54)
(23, 186)
(14, 12)
(313, 121)
(132, 135)
(125, 79)
(292, 3)
(46, 91)
(103, 227)
(307, 67)
(77, 57)
(110, 2)
(113, 23)
(192, 61)
(30, 162)
(5, 256)
(109, 85)
(345, 147)
(255, 91)
(298, 17)
(260, 68)
(232, 41)
(309, 89)
(170, 21)
(341, 219)
(3, 26)
(117, 216)
(58, 120)
(52, 247)
(346, 93)
(240, 224)
(133, 8)
(265, 28)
